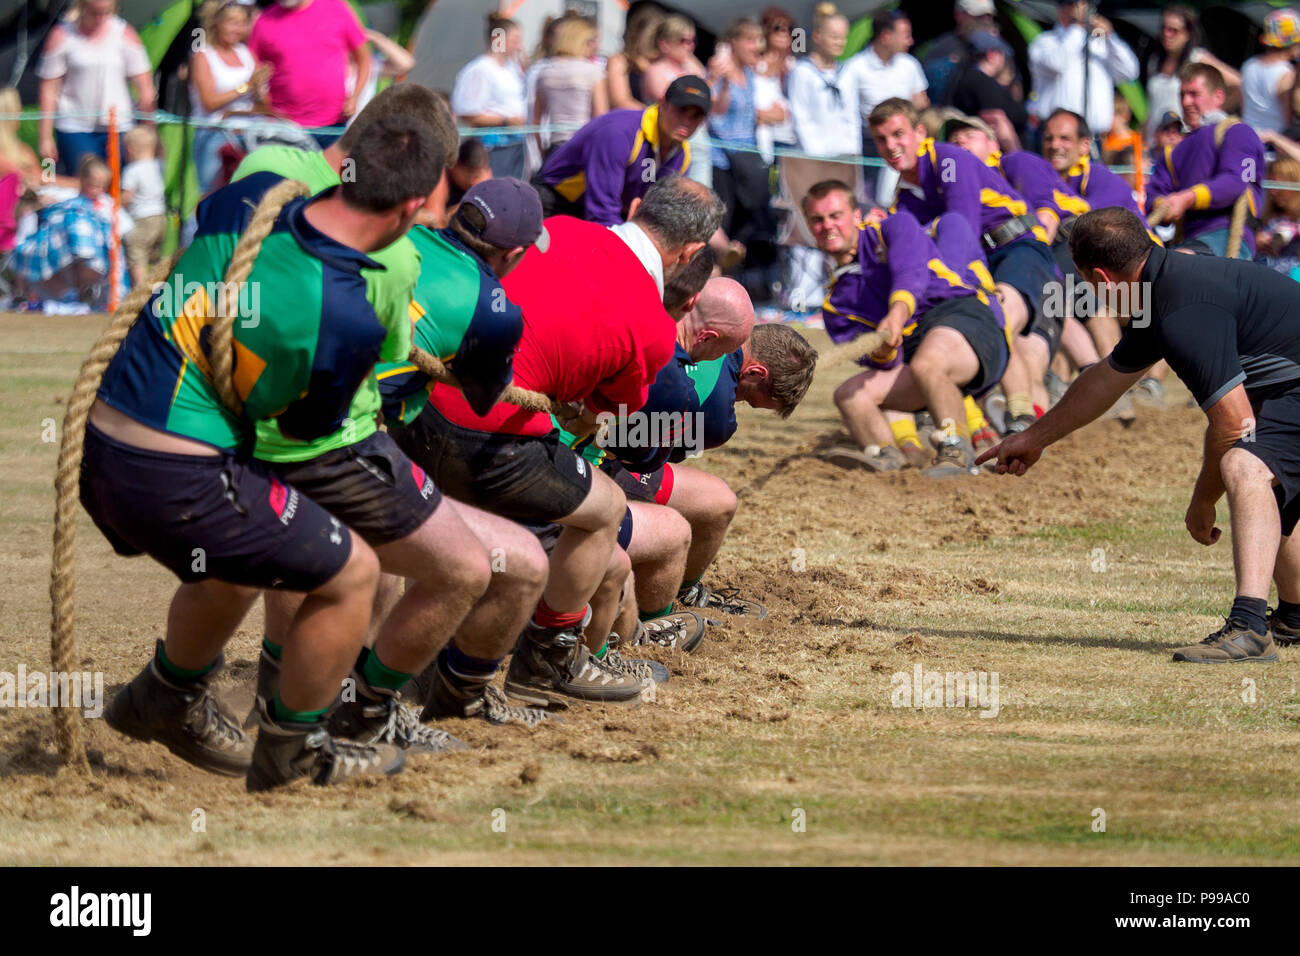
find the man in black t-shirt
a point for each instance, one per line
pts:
(1230, 329)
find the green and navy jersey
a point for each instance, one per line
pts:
(462, 316)
(715, 384)
(388, 290)
(305, 336)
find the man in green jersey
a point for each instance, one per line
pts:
(166, 470)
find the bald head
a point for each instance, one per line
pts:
(720, 322)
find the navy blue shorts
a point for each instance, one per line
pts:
(370, 486)
(979, 327)
(1276, 442)
(549, 534)
(207, 517)
(1028, 267)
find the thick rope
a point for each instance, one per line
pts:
(565, 412)
(853, 350)
(67, 479)
(1237, 224)
(237, 272)
(67, 485)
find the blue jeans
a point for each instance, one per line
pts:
(72, 146)
(207, 154)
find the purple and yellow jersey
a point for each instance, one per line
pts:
(1100, 187)
(1216, 176)
(305, 339)
(1035, 179)
(896, 262)
(954, 180)
(611, 161)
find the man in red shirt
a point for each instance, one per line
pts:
(595, 335)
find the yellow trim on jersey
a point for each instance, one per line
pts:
(1169, 164)
(1040, 234)
(573, 187)
(982, 273)
(927, 149)
(1201, 195)
(395, 370)
(905, 297)
(996, 200)
(249, 367)
(1071, 204)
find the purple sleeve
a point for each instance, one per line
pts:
(909, 256)
(1240, 163)
(1034, 183)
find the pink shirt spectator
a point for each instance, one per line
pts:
(308, 47)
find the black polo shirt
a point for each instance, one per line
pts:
(1217, 322)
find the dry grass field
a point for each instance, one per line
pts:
(778, 742)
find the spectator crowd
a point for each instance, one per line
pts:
(787, 108)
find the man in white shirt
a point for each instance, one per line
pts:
(490, 92)
(1058, 61)
(886, 69)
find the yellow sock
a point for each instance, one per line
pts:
(974, 416)
(1018, 405)
(905, 431)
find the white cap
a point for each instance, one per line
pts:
(976, 8)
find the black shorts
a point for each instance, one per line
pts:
(207, 517)
(370, 486)
(1276, 442)
(526, 478)
(653, 487)
(1028, 266)
(549, 534)
(979, 327)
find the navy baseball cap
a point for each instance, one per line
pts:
(505, 213)
(984, 40)
(689, 91)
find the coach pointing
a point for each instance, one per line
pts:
(1231, 331)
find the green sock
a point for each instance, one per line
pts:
(653, 615)
(275, 650)
(378, 675)
(283, 713)
(600, 654)
(180, 673)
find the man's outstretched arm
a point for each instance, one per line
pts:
(1092, 393)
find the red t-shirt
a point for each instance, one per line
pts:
(595, 329)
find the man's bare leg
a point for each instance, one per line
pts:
(661, 541)
(708, 504)
(859, 401)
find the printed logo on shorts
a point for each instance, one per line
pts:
(582, 467)
(422, 481)
(283, 501)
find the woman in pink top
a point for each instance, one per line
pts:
(84, 70)
(308, 45)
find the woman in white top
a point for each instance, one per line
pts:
(84, 70)
(1268, 79)
(224, 78)
(570, 83)
(1179, 34)
(490, 93)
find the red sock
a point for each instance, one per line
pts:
(545, 617)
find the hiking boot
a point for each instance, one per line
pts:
(553, 666)
(925, 427)
(638, 667)
(956, 457)
(268, 684)
(446, 697)
(682, 629)
(982, 441)
(1056, 387)
(1122, 411)
(286, 751)
(1149, 392)
(183, 716)
(725, 600)
(1284, 635)
(1019, 424)
(378, 716)
(1234, 643)
(995, 410)
(914, 455)
(875, 457)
